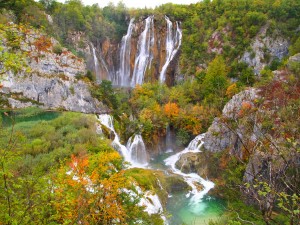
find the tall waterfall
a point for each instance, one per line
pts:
(173, 43)
(192, 178)
(101, 69)
(123, 74)
(144, 57)
(96, 64)
(135, 152)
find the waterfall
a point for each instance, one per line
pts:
(99, 68)
(96, 64)
(192, 178)
(123, 74)
(143, 59)
(135, 152)
(172, 46)
(169, 140)
(107, 121)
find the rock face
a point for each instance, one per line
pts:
(264, 49)
(107, 52)
(51, 82)
(50, 93)
(219, 136)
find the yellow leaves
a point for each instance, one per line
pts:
(171, 110)
(232, 90)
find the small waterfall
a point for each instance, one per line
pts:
(100, 68)
(123, 75)
(192, 178)
(107, 121)
(96, 63)
(172, 46)
(143, 59)
(169, 140)
(137, 150)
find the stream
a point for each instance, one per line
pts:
(193, 208)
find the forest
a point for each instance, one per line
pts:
(57, 167)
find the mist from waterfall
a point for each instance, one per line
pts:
(123, 74)
(173, 43)
(144, 57)
(135, 152)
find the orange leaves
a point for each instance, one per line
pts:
(79, 165)
(43, 44)
(91, 192)
(171, 110)
(245, 109)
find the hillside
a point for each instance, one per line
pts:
(175, 115)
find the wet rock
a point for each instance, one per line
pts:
(192, 162)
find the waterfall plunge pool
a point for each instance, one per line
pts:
(179, 205)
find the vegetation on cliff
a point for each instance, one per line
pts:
(51, 171)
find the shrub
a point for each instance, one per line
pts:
(57, 49)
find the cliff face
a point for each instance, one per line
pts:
(145, 52)
(52, 80)
(265, 48)
(220, 136)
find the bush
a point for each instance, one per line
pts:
(57, 49)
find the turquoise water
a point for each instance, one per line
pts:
(19, 116)
(179, 209)
(210, 209)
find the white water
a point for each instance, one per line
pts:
(192, 179)
(135, 152)
(172, 46)
(123, 75)
(96, 64)
(143, 59)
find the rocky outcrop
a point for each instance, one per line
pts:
(219, 135)
(52, 81)
(50, 92)
(265, 48)
(193, 162)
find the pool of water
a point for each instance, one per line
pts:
(210, 209)
(181, 211)
(19, 116)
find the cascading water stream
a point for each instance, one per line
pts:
(172, 46)
(96, 64)
(143, 59)
(123, 75)
(135, 152)
(192, 179)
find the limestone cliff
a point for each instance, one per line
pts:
(106, 60)
(52, 80)
(265, 48)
